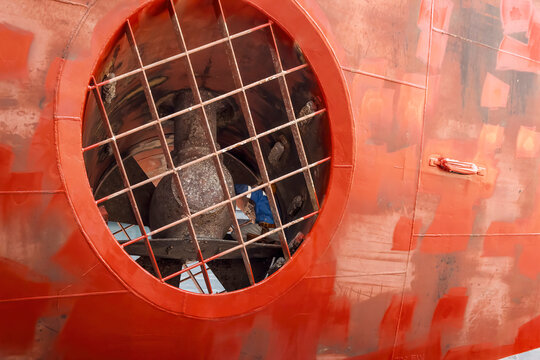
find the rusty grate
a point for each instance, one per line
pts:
(195, 257)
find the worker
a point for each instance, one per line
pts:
(256, 207)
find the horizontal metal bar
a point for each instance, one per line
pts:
(179, 248)
(177, 56)
(206, 157)
(194, 107)
(443, 32)
(382, 77)
(234, 198)
(247, 243)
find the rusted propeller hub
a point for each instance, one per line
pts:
(200, 182)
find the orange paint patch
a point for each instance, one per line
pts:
(450, 310)
(441, 14)
(438, 49)
(491, 139)
(528, 261)
(422, 49)
(499, 245)
(378, 109)
(524, 248)
(410, 108)
(507, 61)
(515, 15)
(403, 240)
(424, 18)
(534, 37)
(494, 93)
(528, 143)
(14, 49)
(400, 312)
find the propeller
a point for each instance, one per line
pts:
(160, 205)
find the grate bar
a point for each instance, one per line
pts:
(165, 149)
(247, 243)
(210, 139)
(215, 206)
(213, 152)
(188, 278)
(297, 136)
(125, 179)
(192, 277)
(195, 107)
(123, 229)
(205, 157)
(246, 111)
(177, 56)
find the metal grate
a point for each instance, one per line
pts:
(201, 265)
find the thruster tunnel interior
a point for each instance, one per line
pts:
(174, 128)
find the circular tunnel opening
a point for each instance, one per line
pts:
(206, 144)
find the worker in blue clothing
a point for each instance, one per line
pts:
(256, 207)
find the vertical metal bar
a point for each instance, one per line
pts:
(211, 141)
(285, 94)
(165, 148)
(123, 174)
(244, 105)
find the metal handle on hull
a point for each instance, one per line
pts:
(456, 166)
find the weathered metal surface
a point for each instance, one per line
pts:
(200, 182)
(406, 261)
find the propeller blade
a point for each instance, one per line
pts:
(119, 208)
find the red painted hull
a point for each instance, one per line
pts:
(407, 261)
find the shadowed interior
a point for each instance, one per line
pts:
(269, 129)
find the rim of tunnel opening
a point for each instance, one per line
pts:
(338, 104)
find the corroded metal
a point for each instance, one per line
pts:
(200, 182)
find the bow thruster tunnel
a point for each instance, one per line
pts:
(206, 143)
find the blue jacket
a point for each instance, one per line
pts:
(263, 213)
